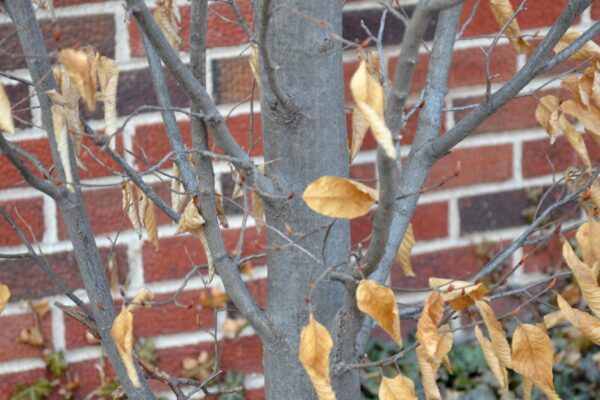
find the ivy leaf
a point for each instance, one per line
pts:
(146, 350)
(38, 391)
(55, 362)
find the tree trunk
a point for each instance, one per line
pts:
(304, 139)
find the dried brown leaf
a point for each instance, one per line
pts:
(584, 322)
(360, 126)
(589, 118)
(585, 278)
(379, 302)
(575, 140)
(496, 332)
(547, 113)
(6, 120)
(167, 17)
(588, 240)
(403, 254)
(458, 294)
(496, 365)
(339, 197)
(397, 388)
(503, 11)
(589, 50)
(108, 75)
(216, 298)
(315, 346)
(190, 220)
(31, 337)
(81, 66)
(4, 296)
(428, 374)
(427, 326)
(258, 211)
(122, 333)
(151, 225)
(62, 142)
(221, 211)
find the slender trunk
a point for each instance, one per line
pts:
(304, 139)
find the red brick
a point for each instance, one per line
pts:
(468, 66)
(542, 158)
(221, 30)
(154, 321)
(9, 381)
(477, 165)
(419, 75)
(26, 280)
(364, 173)
(545, 257)
(95, 30)
(10, 175)
(233, 81)
(12, 325)
(430, 221)
(31, 210)
(595, 11)
(171, 260)
(538, 13)
(151, 144)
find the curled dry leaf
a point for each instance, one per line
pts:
(315, 346)
(503, 11)
(178, 195)
(190, 220)
(339, 197)
(108, 75)
(68, 98)
(588, 239)
(151, 224)
(532, 357)
(547, 113)
(141, 297)
(428, 374)
(575, 140)
(403, 254)
(589, 118)
(397, 388)
(41, 308)
(62, 142)
(31, 337)
(167, 17)
(379, 303)
(258, 211)
(4, 296)
(81, 66)
(360, 126)
(254, 61)
(496, 332)
(589, 50)
(232, 327)
(458, 294)
(6, 120)
(368, 95)
(216, 298)
(122, 333)
(585, 278)
(587, 324)
(496, 365)
(131, 204)
(427, 326)
(221, 211)
(553, 319)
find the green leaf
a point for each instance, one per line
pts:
(56, 363)
(38, 391)
(146, 350)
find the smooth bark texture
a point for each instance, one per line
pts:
(302, 143)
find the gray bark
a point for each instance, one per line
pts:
(304, 139)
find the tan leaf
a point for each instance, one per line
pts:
(589, 118)
(360, 126)
(403, 254)
(177, 190)
(167, 17)
(596, 86)
(6, 120)
(496, 332)
(41, 308)
(221, 211)
(496, 365)
(428, 374)
(444, 345)
(553, 319)
(379, 302)
(69, 99)
(503, 11)
(584, 322)
(546, 114)
(527, 388)
(397, 388)
(588, 239)
(368, 95)
(458, 294)
(81, 67)
(31, 337)
(151, 225)
(585, 278)
(427, 326)
(571, 84)
(216, 298)
(575, 140)
(589, 50)
(122, 333)
(201, 235)
(190, 220)
(131, 206)
(532, 356)
(315, 346)
(585, 89)
(339, 197)
(113, 271)
(62, 142)
(143, 203)
(258, 211)
(232, 327)
(4, 296)
(108, 75)
(139, 300)
(254, 61)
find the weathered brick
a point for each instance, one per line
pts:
(542, 158)
(502, 210)
(12, 325)
(233, 81)
(171, 260)
(222, 28)
(537, 14)
(96, 30)
(477, 165)
(27, 281)
(430, 221)
(353, 31)
(30, 210)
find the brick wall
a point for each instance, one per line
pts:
(457, 225)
